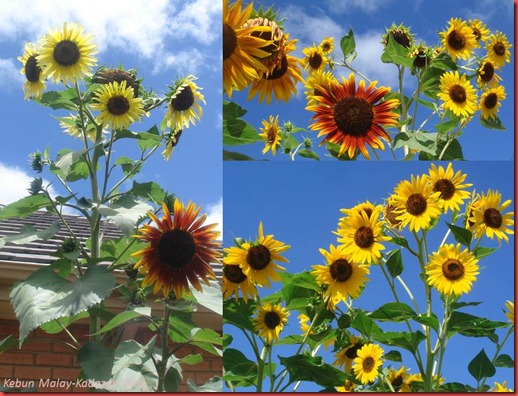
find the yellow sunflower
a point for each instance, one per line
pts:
(487, 73)
(270, 321)
(242, 47)
(346, 356)
(397, 379)
(234, 280)
(452, 271)
(327, 45)
(257, 260)
(341, 275)
(362, 236)
(348, 387)
(314, 60)
(72, 125)
(510, 308)
(322, 79)
(118, 107)
(415, 203)
(390, 216)
(172, 140)
(501, 387)
(351, 118)
(480, 31)
(490, 101)
(366, 207)
(184, 103)
(459, 39)
(34, 85)
(281, 82)
(498, 49)
(450, 185)
(271, 134)
(458, 94)
(367, 364)
(67, 54)
(489, 219)
(180, 250)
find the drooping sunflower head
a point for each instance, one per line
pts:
(184, 100)
(498, 49)
(458, 39)
(172, 140)
(106, 75)
(487, 74)
(480, 30)
(489, 219)
(421, 54)
(401, 35)
(327, 45)
(390, 216)
(345, 357)
(73, 126)
(450, 185)
(270, 320)
(458, 94)
(397, 379)
(491, 100)
(317, 83)
(67, 54)
(271, 134)
(34, 84)
(315, 59)
(367, 364)
(180, 250)
(348, 387)
(510, 311)
(501, 387)
(118, 107)
(351, 116)
(234, 280)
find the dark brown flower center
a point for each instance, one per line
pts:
(421, 60)
(458, 94)
(279, 71)
(66, 53)
(488, 71)
(499, 48)
(364, 237)
(352, 351)
(368, 211)
(456, 40)
(401, 37)
(272, 134)
(477, 33)
(492, 218)
(258, 257)
(490, 100)
(391, 216)
(445, 187)
(341, 270)
(272, 320)
(176, 138)
(184, 100)
(315, 60)
(229, 41)
(118, 105)
(326, 46)
(32, 70)
(348, 385)
(416, 204)
(234, 273)
(452, 269)
(275, 35)
(397, 383)
(106, 76)
(176, 248)
(368, 364)
(353, 116)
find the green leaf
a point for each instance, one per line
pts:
(57, 100)
(455, 387)
(112, 249)
(66, 160)
(408, 341)
(210, 297)
(393, 312)
(365, 325)
(504, 360)
(96, 361)
(452, 152)
(348, 46)
(125, 213)
(422, 142)
(443, 62)
(472, 326)
(307, 153)
(128, 165)
(28, 233)
(191, 359)
(430, 321)
(427, 104)
(44, 296)
(395, 264)
(150, 191)
(235, 130)
(56, 326)
(457, 305)
(215, 384)
(238, 367)
(206, 335)
(493, 123)
(447, 126)
(119, 319)
(481, 367)
(233, 156)
(461, 235)
(24, 206)
(313, 369)
(400, 241)
(239, 313)
(297, 291)
(8, 342)
(396, 53)
(394, 356)
(481, 252)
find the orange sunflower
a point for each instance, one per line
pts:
(350, 117)
(180, 250)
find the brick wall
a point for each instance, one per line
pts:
(52, 359)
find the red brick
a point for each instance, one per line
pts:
(36, 346)
(201, 378)
(217, 366)
(53, 359)
(65, 373)
(62, 348)
(6, 371)
(8, 328)
(17, 358)
(202, 366)
(35, 373)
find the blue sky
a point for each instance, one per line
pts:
(162, 39)
(300, 204)
(310, 21)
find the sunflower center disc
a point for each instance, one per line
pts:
(354, 116)
(456, 40)
(364, 237)
(315, 61)
(272, 320)
(258, 257)
(452, 269)
(445, 187)
(499, 48)
(229, 41)
(268, 36)
(279, 71)
(391, 216)
(183, 100)
(477, 33)
(397, 383)
(118, 105)
(326, 47)
(32, 71)
(341, 270)
(401, 38)
(234, 273)
(458, 94)
(416, 204)
(492, 218)
(272, 134)
(421, 59)
(368, 364)
(490, 100)
(176, 248)
(352, 352)
(488, 72)
(66, 53)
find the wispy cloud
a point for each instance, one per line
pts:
(11, 76)
(489, 10)
(350, 6)
(215, 214)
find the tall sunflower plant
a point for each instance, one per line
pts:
(441, 88)
(313, 327)
(145, 247)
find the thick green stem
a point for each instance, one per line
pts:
(260, 368)
(164, 347)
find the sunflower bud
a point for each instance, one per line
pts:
(401, 35)
(69, 245)
(36, 162)
(36, 186)
(307, 143)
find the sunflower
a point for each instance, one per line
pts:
(271, 134)
(458, 94)
(327, 45)
(172, 140)
(421, 54)
(341, 275)
(350, 117)
(348, 387)
(397, 379)
(362, 236)
(487, 73)
(257, 259)
(34, 85)
(184, 103)
(314, 60)
(498, 49)
(415, 203)
(234, 280)
(322, 79)
(490, 101)
(67, 55)
(368, 362)
(242, 48)
(480, 30)
(366, 207)
(501, 387)
(118, 107)
(282, 81)
(390, 216)
(401, 35)
(459, 39)
(346, 356)
(510, 314)
(304, 327)
(72, 125)
(449, 185)
(488, 217)
(270, 321)
(180, 250)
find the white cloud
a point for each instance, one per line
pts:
(15, 183)
(490, 10)
(215, 215)
(350, 6)
(11, 76)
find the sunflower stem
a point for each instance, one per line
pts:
(260, 368)
(404, 110)
(164, 347)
